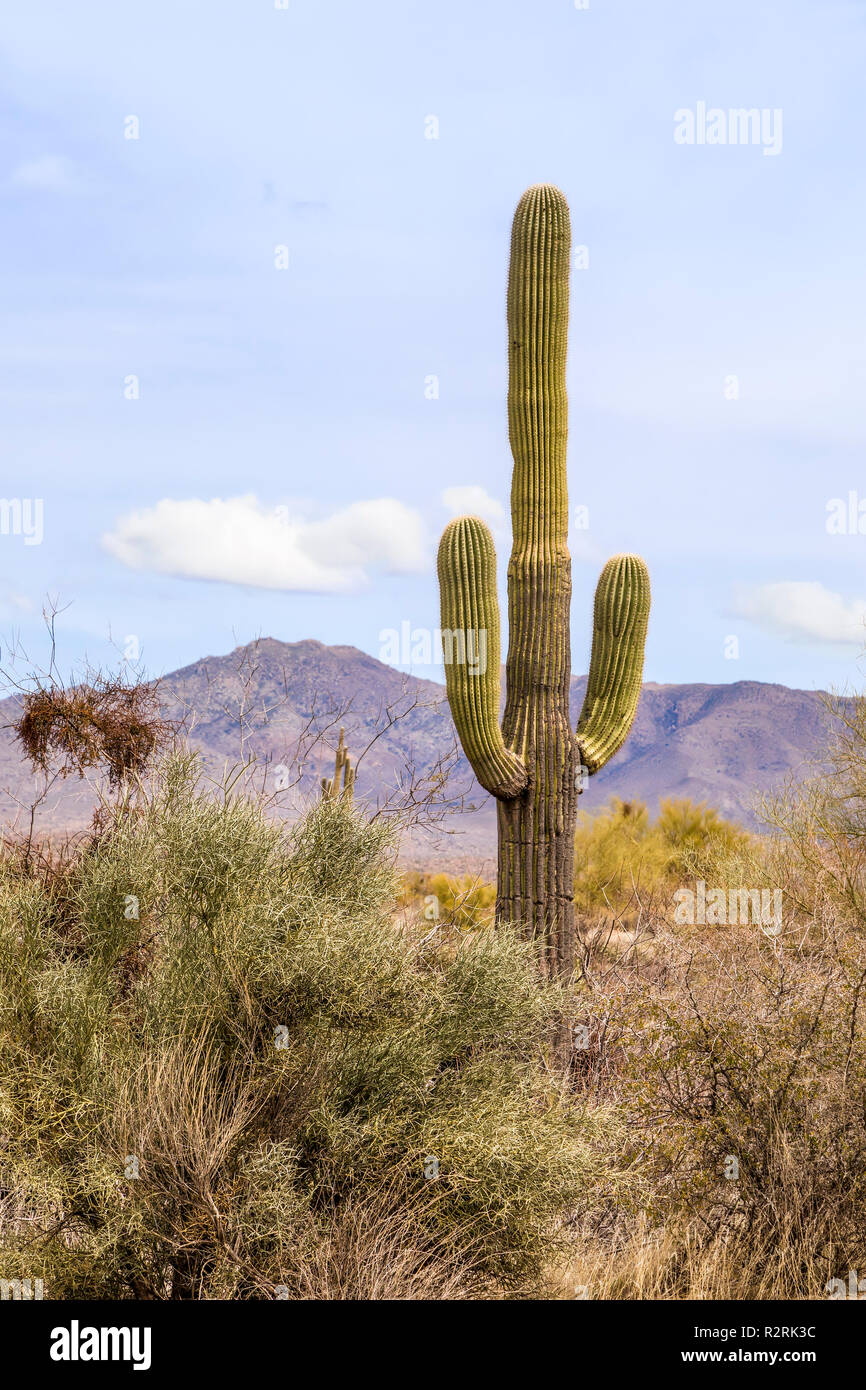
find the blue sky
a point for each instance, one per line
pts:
(282, 471)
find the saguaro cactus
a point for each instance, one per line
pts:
(343, 771)
(534, 763)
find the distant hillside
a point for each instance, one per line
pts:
(718, 743)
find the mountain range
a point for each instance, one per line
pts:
(277, 706)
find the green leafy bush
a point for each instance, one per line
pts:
(227, 1071)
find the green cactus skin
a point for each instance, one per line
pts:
(532, 765)
(467, 582)
(619, 626)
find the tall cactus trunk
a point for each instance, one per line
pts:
(531, 763)
(536, 829)
(536, 864)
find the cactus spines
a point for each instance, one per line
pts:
(343, 770)
(619, 625)
(531, 765)
(467, 582)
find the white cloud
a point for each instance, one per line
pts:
(50, 174)
(240, 541)
(12, 603)
(804, 612)
(473, 501)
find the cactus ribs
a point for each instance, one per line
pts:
(533, 763)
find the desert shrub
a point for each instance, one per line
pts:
(735, 1055)
(738, 1064)
(103, 722)
(226, 1067)
(696, 836)
(465, 901)
(627, 866)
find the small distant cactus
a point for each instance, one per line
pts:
(534, 764)
(343, 770)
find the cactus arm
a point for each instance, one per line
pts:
(530, 765)
(470, 629)
(621, 614)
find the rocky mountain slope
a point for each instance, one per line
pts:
(280, 704)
